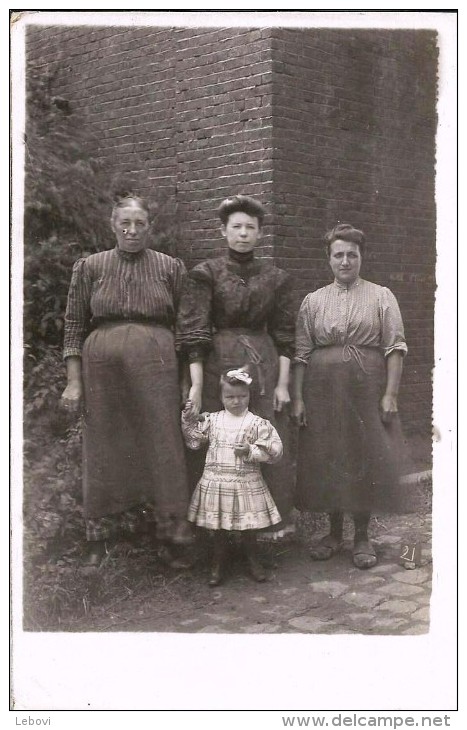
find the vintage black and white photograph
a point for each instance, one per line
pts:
(229, 240)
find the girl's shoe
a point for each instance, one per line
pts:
(216, 577)
(256, 569)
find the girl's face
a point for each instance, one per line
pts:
(242, 232)
(235, 398)
(130, 225)
(345, 260)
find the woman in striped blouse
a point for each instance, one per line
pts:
(350, 346)
(122, 367)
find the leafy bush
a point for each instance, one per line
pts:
(66, 206)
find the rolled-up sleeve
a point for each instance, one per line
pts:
(267, 447)
(392, 326)
(193, 329)
(78, 312)
(304, 332)
(281, 324)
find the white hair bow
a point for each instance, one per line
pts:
(240, 375)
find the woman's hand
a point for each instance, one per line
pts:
(281, 397)
(72, 397)
(241, 450)
(388, 405)
(298, 412)
(388, 408)
(194, 397)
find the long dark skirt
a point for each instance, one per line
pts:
(234, 348)
(132, 443)
(348, 459)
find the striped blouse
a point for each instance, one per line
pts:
(362, 314)
(117, 285)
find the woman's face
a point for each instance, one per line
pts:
(242, 232)
(130, 225)
(235, 398)
(345, 260)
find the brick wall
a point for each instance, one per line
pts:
(122, 82)
(320, 124)
(223, 126)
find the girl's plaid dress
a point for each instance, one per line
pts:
(232, 494)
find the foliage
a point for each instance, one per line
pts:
(66, 205)
(65, 192)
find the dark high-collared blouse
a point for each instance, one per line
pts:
(235, 292)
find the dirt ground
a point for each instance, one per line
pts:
(135, 590)
(145, 595)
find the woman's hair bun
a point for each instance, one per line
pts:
(345, 232)
(123, 186)
(240, 204)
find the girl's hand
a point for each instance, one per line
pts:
(189, 411)
(298, 412)
(242, 450)
(281, 397)
(72, 398)
(194, 397)
(388, 408)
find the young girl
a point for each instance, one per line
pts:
(232, 494)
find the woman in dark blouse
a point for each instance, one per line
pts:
(237, 311)
(125, 374)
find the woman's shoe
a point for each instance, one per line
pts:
(164, 530)
(326, 548)
(167, 556)
(95, 554)
(256, 569)
(364, 555)
(183, 534)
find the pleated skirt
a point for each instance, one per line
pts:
(229, 499)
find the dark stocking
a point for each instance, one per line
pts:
(361, 522)
(337, 525)
(219, 544)
(251, 549)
